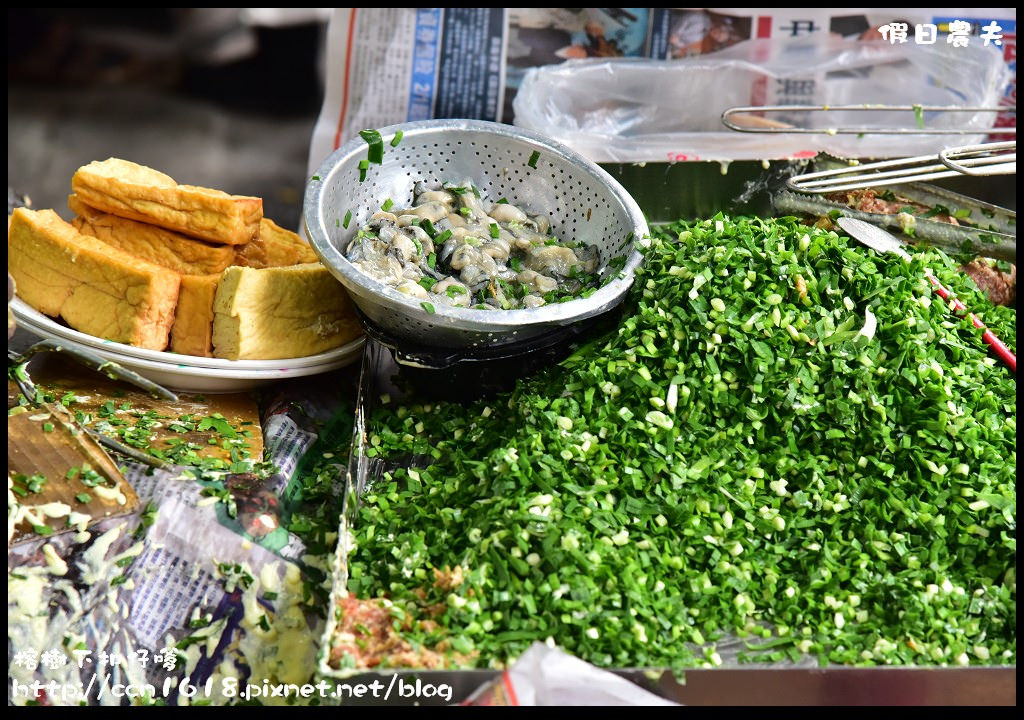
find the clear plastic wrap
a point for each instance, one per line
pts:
(626, 110)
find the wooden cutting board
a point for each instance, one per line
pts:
(57, 376)
(47, 442)
(52, 463)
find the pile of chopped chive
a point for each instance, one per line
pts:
(789, 439)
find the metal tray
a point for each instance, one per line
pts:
(667, 192)
(731, 684)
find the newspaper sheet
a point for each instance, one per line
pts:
(189, 600)
(391, 65)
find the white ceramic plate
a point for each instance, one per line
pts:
(30, 317)
(176, 372)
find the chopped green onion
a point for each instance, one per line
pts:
(494, 230)
(375, 153)
(31, 483)
(919, 116)
(219, 424)
(428, 307)
(397, 138)
(388, 204)
(719, 467)
(534, 157)
(347, 220)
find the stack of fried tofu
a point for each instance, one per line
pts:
(158, 265)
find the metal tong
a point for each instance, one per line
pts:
(996, 158)
(750, 119)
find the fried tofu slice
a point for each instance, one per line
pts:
(172, 250)
(274, 247)
(137, 192)
(192, 332)
(282, 312)
(97, 289)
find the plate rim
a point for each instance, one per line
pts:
(226, 373)
(237, 375)
(42, 324)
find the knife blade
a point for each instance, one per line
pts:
(884, 242)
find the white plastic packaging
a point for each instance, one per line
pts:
(546, 675)
(626, 110)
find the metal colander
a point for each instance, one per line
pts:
(581, 200)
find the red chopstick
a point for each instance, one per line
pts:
(988, 336)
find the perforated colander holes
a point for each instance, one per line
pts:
(567, 191)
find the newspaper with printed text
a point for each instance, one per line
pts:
(386, 66)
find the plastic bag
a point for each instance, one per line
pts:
(652, 110)
(548, 676)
